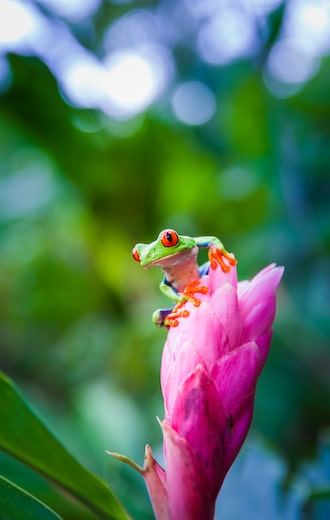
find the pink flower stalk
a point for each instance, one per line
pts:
(210, 366)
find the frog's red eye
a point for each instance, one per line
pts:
(136, 255)
(169, 238)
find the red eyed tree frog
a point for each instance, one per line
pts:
(177, 256)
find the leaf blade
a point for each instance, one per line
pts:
(24, 436)
(17, 504)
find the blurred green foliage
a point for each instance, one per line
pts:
(24, 436)
(78, 189)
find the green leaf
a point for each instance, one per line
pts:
(24, 436)
(17, 504)
(319, 493)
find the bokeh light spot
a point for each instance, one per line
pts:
(288, 68)
(73, 9)
(308, 22)
(194, 103)
(17, 23)
(139, 26)
(237, 183)
(80, 78)
(260, 7)
(288, 64)
(227, 36)
(24, 191)
(134, 79)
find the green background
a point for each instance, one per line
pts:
(80, 188)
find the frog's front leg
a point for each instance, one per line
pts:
(217, 254)
(169, 317)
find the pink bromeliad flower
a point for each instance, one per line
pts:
(210, 366)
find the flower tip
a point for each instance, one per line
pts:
(148, 458)
(127, 460)
(278, 271)
(159, 421)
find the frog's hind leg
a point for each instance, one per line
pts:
(169, 317)
(160, 315)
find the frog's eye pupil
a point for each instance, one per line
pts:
(169, 238)
(136, 255)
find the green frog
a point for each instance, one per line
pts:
(177, 256)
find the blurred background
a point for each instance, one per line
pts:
(121, 118)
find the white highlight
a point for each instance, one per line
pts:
(81, 76)
(139, 65)
(17, 24)
(126, 83)
(308, 22)
(134, 79)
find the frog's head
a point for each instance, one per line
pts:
(168, 244)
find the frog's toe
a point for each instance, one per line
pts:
(221, 257)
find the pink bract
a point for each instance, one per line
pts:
(210, 366)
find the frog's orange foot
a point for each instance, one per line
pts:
(172, 319)
(218, 257)
(191, 289)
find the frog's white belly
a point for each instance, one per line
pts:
(180, 269)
